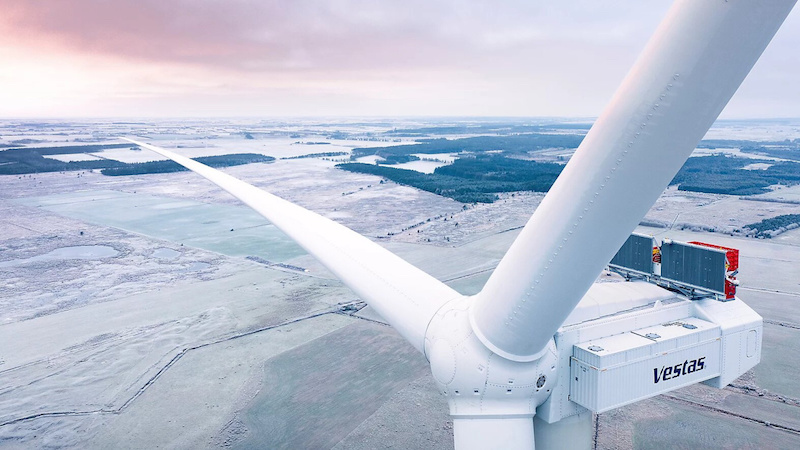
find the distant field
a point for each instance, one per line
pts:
(198, 330)
(714, 174)
(487, 164)
(515, 144)
(473, 179)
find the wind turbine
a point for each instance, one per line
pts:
(528, 345)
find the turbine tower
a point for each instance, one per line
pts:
(542, 340)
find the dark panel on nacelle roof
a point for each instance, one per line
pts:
(694, 266)
(636, 254)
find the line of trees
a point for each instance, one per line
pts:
(774, 226)
(21, 161)
(478, 178)
(397, 159)
(497, 128)
(512, 144)
(317, 155)
(235, 159)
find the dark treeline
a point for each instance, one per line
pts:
(317, 155)
(532, 176)
(767, 227)
(19, 161)
(464, 191)
(541, 140)
(522, 143)
(398, 159)
(235, 159)
(785, 149)
(783, 152)
(487, 128)
(721, 174)
(471, 180)
(70, 149)
(477, 179)
(743, 143)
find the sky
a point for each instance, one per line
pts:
(271, 58)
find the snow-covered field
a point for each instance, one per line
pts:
(130, 316)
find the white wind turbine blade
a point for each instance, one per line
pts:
(401, 293)
(691, 67)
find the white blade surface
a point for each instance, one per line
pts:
(402, 294)
(684, 78)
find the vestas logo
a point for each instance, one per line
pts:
(687, 367)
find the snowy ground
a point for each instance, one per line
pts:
(115, 335)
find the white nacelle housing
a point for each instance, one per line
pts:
(646, 342)
(616, 370)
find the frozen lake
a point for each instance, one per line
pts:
(74, 157)
(227, 229)
(77, 252)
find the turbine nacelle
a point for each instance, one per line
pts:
(626, 341)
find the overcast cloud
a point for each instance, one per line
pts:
(350, 57)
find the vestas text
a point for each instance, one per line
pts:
(684, 368)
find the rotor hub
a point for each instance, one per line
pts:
(477, 381)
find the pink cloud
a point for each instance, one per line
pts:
(241, 34)
(358, 56)
(296, 35)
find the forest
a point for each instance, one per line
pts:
(785, 149)
(514, 144)
(20, 161)
(316, 155)
(235, 159)
(791, 152)
(397, 159)
(499, 128)
(720, 174)
(477, 178)
(471, 180)
(776, 225)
